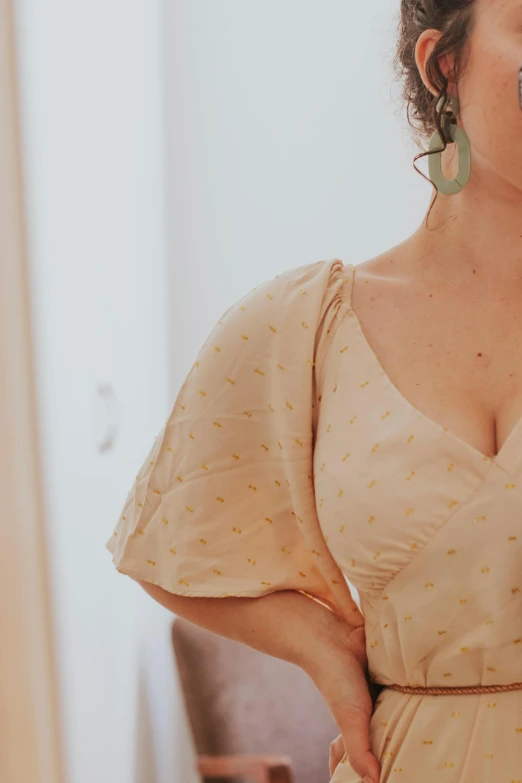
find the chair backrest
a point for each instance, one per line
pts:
(239, 700)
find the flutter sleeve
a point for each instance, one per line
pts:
(224, 503)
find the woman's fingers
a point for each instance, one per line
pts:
(355, 733)
(353, 715)
(337, 752)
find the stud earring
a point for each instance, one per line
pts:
(456, 136)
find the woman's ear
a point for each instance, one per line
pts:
(423, 49)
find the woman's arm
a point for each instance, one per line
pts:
(286, 624)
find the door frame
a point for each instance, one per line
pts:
(30, 736)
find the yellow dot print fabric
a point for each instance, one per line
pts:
(290, 460)
(223, 505)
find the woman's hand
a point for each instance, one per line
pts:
(341, 676)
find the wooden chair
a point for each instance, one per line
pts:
(252, 716)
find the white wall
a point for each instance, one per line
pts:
(283, 147)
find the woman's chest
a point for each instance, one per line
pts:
(456, 359)
(389, 478)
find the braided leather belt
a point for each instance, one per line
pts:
(435, 690)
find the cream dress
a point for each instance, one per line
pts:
(290, 461)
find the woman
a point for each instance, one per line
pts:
(368, 425)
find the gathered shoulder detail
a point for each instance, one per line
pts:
(336, 303)
(345, 273)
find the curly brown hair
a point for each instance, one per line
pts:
(455, 19)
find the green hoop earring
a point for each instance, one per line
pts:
(459, 137)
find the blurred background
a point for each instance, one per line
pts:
(158, 159)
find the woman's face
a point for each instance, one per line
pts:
(490, 108)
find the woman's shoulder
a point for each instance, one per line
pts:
(317, 285)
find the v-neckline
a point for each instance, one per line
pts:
(501, 458)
